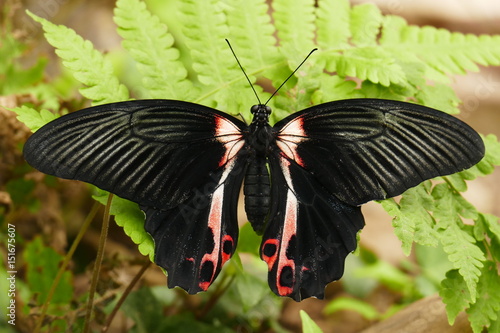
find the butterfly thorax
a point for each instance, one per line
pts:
(257, 188)
(260, 133)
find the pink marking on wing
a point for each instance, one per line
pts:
(230, 136)
(289, 230)
(290, 136)
(215, 224)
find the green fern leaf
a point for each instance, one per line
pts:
(366, 20)
(255, 47)
(88, 65)
(149, 42)
(370, 63)
(439, 96)
(412, 222)
(131, 219)
(294, 21)
(443, 52)
(32, 118)
(450, 205)
(465, 255)
(333, 88)
(205, 29)
(455, 294)
(486, 309)
(492, 156)
(251, 32)
(333, 24)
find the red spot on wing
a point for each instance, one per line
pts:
(227, 248)
(270, 252)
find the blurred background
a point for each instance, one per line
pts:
(60, 213)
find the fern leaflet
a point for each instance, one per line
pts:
(88, 65)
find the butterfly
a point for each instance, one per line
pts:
(304, 178)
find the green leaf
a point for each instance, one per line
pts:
(370, 63)
(333, 24)
(151, 45)
(248, 240)
(439, 96)
(131, 219)
(492, 155)
(308, 325)
(205, 29)
(366, 20)
(412, 221)
(242, 14)
(465, 255)
(388, 275)
(32, 118)
(450, 205)
(346, 303)
(442, 52)
(455, 294)
(88, 65)
(486, 309)
(42, 267)
(294, 21)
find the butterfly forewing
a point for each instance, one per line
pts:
(370, 149)
(153, 152)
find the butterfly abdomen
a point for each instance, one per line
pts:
(257, 190)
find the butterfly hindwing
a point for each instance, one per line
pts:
(196, 238)
(372, 149)
(309, 232)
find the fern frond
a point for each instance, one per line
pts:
(150, 44)
(87, 64)
(294, 21)
(442, 51)
(252, 34)
(486, 309)
(412, 222)
(464, 254)
(366, 20)
(455, 294)
(32, 118)
(205, 29)
(333, 24)
(128, 216)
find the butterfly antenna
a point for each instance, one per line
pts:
(289, 76)
(251, 85)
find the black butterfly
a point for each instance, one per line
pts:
(304, 178)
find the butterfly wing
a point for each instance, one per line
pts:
(309, 232)
(180, 161)
(372, 149)
(331, 158)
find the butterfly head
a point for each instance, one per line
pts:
(260, 113)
